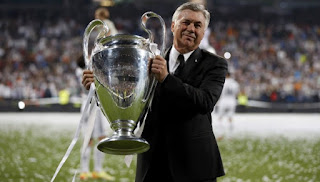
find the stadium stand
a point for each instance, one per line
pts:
(274, 61)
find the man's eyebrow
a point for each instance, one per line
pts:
(194, 21)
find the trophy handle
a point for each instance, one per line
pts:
(144, 18)
(85, 44)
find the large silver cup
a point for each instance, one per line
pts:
(124, 83)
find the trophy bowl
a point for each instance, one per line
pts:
(124, 84)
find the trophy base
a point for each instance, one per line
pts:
(123, 145)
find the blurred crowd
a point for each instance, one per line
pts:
(277, 61)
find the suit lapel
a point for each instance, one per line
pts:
(166, 56)
(193, 60)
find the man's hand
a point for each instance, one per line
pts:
(159, 68)
(87, 78)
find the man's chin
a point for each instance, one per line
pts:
(189, 44)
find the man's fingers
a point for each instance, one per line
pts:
(158, 63)
(159, 68)
(87, 86)
(87, 78)
(87, 82)
(155, 70)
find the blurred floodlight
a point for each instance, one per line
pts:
(105, 3)
(281, 54)
(227, 55)
(21, 105)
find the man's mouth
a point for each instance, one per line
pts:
(190, 36)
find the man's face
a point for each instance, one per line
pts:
(188, 30)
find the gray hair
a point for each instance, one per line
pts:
(193, 7)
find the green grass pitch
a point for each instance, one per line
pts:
(31, 153)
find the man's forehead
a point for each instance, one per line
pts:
(194, 16)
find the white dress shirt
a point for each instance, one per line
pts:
(173, 59)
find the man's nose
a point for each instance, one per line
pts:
(191, 27)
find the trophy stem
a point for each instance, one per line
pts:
(123, 141)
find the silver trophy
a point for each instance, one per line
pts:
(124, 82)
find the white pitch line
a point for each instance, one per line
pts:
(288, 124)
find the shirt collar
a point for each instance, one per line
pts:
(174, 54)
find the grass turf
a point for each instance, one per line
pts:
(31, 153)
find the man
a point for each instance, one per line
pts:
(103, 14)
(226, 106)
(178, 126)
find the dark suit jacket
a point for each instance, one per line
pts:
(180, 124)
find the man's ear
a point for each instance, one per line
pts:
(172, 26)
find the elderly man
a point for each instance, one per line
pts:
(179, 125)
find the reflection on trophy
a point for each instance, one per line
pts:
(124, 83)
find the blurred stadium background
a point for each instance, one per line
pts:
(274, 47)
(275, 57)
